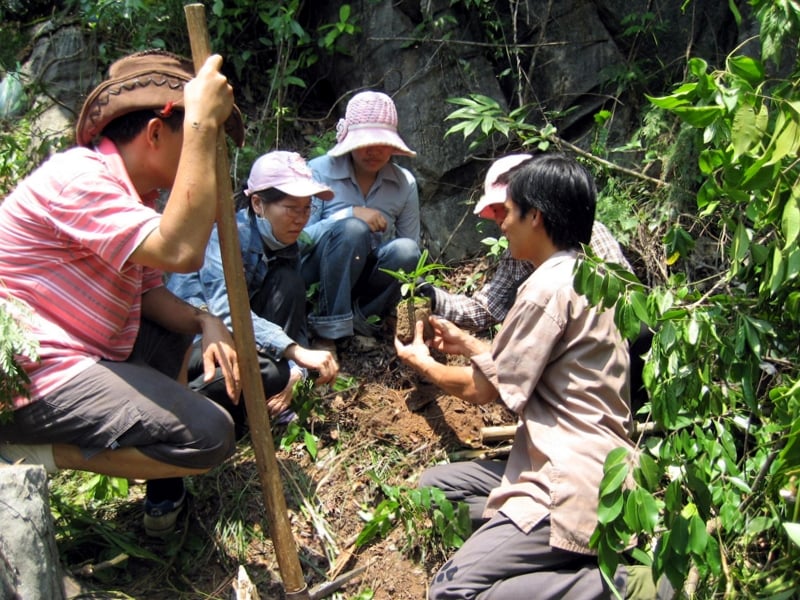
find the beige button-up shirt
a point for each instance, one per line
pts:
(563, 368)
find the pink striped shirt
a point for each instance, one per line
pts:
(66, 234)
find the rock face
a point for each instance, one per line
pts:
(574, 57)
(62, 63)
(29, 564)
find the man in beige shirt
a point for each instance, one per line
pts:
(562, 366)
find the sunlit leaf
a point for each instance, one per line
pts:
(609, 507)
(793, 530)
(670, 102)
(638, 302)
(793, 263)
(641, 511)
(631, 512)
(790, 219)
(745, 134)
(777, 271)
(749, 69)
(693, 331)
(613, 479)
(649, 472)
(679, 540)
(699, 116)
(698, 67)
(311, 444)
(628, 322)
(786, 143)
(697, 535)
(710, 159)
(617, 456)
(741, 243)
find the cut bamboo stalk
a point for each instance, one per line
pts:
(502, 433)
(497, 434)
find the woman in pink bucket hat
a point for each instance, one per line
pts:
(275, 206)
(371, 224)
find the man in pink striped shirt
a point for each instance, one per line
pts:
(82, 256)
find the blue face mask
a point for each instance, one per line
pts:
(265, 230)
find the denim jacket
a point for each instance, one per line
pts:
(206, 288)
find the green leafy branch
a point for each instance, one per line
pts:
(496, 245)
(15, 342)
(431, 523)
(484, 115)
(718, 494)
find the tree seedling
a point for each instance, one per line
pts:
(413, 307)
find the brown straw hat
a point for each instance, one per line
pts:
(152, 79)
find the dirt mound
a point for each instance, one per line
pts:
(383, 429)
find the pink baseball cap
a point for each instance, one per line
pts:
(493, 192)
(370, 120)
(288, 172)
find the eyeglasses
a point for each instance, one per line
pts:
(298, 211)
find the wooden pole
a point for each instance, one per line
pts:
(252, 386)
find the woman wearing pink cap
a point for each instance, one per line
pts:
(277, 205)
(371, 224)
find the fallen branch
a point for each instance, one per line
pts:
(506, 432)
(90, 570)
(330, 587)
(497, 434)
(608, 164)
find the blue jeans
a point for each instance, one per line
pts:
(352, 286)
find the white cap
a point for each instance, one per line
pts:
(493, 192)
(287, 172)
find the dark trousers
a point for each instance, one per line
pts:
(136, 403)
(500, 561)
(280, 300)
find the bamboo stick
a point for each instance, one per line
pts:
(252, 386)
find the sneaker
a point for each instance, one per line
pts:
(160, 518)
(29, 454)
(285, 417)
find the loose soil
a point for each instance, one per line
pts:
(392, 424)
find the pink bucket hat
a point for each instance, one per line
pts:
(288, 172)
(370, 120)
(493, 192)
